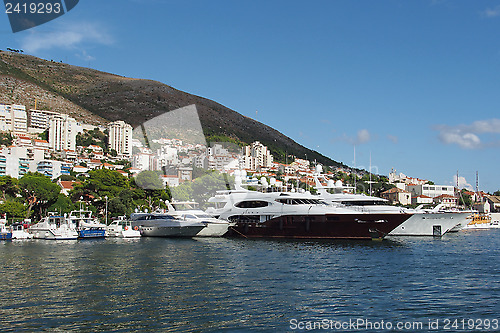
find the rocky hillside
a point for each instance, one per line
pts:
(97, 97)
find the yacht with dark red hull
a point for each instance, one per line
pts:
(297, 215)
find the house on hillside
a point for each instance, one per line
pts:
(66, 186)
(494, 201)
(447, 200)
(397, 196)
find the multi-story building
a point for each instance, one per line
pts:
(256, 156)
(15, 160)
(62, 132)
(40, 119)
(13, 118)
(397, 196)
(52, 169)
(430, 190)
(120, 138)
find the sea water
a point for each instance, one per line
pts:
(413, 284)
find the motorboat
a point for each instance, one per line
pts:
(164, 225)
(19, 232)
(481, 221)
(54, 227)
(5, 233)
(269, 214)
(122, 228)
(189, 211)
(86, 225)
(423, 222)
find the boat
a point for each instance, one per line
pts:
(122, 228)
(19, 232)
(481, 221)
(423, 222)
(189, 211)
(164, 225)
(5, 233)
(297, 215)
(54, 227)
(86, 225)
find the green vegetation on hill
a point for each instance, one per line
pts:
(135, 101)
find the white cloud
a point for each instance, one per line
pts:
(363, 136)
(76, 35)
(462, 183)
(468, 136)
(464, 140)
(492, 12)
(392, 138)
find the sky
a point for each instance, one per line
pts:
(413, 84)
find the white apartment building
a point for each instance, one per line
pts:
(145, 161)
(255, 156)
(62, 132)
(51, 168)
(40, 119)
(120, 138)
(430, 190)
(13, 118)
(15, 161)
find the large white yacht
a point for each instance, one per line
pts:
(297, 215)
(189, 211)
(423, 222)
(54, 227)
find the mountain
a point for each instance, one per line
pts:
(96, 97)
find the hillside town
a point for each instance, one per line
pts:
(59, 154)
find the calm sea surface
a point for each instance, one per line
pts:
(193, 285)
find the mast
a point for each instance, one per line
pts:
(354, 169)
(370, 173)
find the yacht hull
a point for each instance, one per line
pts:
(170, 231)
(54, 234)
(213, 230)
(430, 224)
(328, 226)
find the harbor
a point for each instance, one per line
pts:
(222, 284)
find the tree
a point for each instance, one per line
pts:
(496, 193)
(38, 191)
(5, 139)
(13, 209)
(151, 184)
(62, 205)
(8, 186)
(101, 183)
(202, 188)
(149, 180)
(465, 199)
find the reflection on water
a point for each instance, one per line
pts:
(155, 284)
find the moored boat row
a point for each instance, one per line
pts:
(268, 213)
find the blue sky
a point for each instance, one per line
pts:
(416, 84)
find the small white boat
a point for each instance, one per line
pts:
(19, 232)
(5, 233)
(122, 228)
(188, 211)
(54, 227)
(86, 225)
